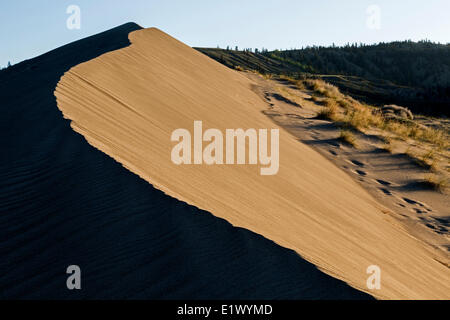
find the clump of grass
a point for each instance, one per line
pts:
(417, 132)
(322, 88)
(436, 182)
(434, 136)
(361, 118)
(238, 68)
(396, 128)
(344, 103)
(348, 137)
(329, 111)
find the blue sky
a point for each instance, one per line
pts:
(29, 28)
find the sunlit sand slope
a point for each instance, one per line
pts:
(128, 102)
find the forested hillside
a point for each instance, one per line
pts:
(415, 74)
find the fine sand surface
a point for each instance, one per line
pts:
(127, 103)
(63, 202)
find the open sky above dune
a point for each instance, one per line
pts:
(30, 28)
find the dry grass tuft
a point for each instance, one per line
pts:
(361, 118)
(323, 88)
(348, 137)
(329, 112)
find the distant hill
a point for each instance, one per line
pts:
(415, 74)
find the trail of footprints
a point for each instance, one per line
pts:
(439, 225)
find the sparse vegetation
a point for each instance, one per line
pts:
(329, 111)
(348, 136)
(351, 115)
(322, 88)
(427, 145)
(359, 117)
(355, 115)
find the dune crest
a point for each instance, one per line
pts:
(128, 102)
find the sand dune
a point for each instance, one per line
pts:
(63, 202)
(128, 102)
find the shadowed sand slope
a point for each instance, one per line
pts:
(128, 102)
(63, 202)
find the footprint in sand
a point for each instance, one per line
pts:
(417, 203)
(271, 113)
(383, 182)
(386, 191)
(418, 207)
(429, 225)
(334, 153)
(437, 228)
(334, 144)
(358, 163)
(294, 116)
(361, 173)
(444, 221)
